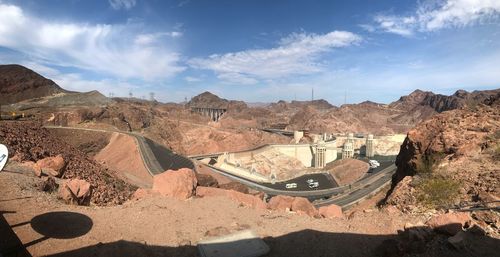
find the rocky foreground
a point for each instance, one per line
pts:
(34, 148)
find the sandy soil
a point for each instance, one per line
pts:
(122, 156)
(167, 227)
(347, 171)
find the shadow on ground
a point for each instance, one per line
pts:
(305, 243)
(66, 225)
(59, 225)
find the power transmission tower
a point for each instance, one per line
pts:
(151, 96)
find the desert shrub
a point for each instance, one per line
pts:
(434, 192)
(428, 163)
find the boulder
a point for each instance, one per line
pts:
(280, 203)
(302, 206)
(48, 184)
(52, 166)
(76, 191)
(247, 200)
(179, 184)
(206, 180)
(331, 211)
(449, 223)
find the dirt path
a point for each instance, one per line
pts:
(167, 227)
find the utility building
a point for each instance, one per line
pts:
(348, 150)
(319, 158)
(370, 148)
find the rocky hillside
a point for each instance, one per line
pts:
(19, 83)
(440, 103)
(29, 142)
(451, 160)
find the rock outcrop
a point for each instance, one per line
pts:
(52, 166)
(281, 203)
(180, 184)
(331, 211)
(449, 136)
(302, 206)
(76, 191)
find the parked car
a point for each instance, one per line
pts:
(291, 185)
(312, 183)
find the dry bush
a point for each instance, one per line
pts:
(435, 191)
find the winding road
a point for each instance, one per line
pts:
(158, 158)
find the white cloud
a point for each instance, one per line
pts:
(432, 16)
(397, 25)
(111, 49)
(297, 54)
(122, 4)
(192, 79)
(153, 38)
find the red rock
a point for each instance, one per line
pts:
(302, 206)
(248, 200)
(331, 211)
(142, 193)
(52, 166)
(281, 203)
(34, 167)
(179, 184)
(76, 191)
(449, 223)
(48, 184)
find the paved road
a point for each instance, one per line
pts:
(156, 157)
(368, 187)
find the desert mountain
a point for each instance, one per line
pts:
(25, 89)
(441, 103)
(209, 100)
(18, 83)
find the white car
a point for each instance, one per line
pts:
(373, 163)
(312, 183)
(291, 185)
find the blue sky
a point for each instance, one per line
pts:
(257, 51)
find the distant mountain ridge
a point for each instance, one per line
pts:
(18, 83)
(441, 103)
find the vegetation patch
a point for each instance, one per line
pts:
(435, 192)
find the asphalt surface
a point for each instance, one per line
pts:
(162, 158)
(158, 158)
(306, 183)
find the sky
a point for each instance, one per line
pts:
(259, 50)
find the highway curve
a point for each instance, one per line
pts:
(158, 158)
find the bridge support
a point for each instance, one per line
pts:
(213, 113)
